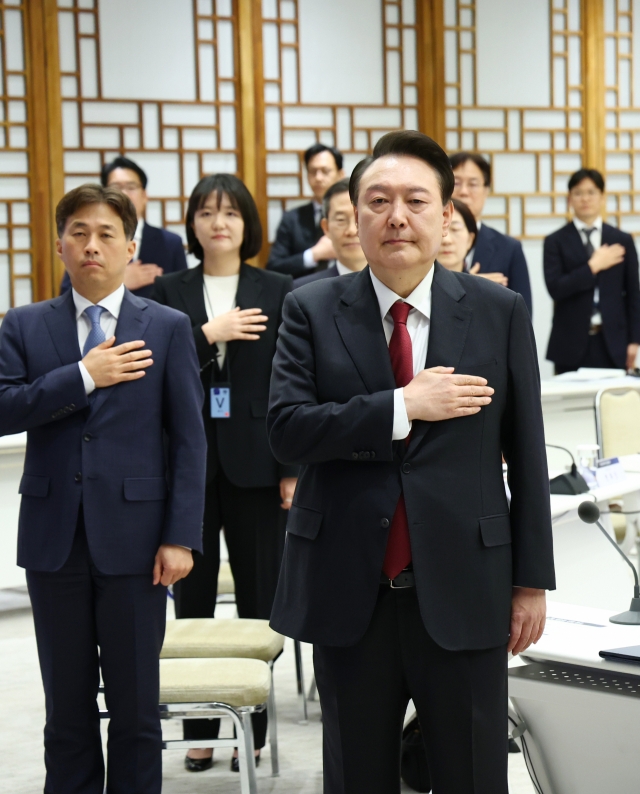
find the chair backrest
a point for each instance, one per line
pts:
(618, 421)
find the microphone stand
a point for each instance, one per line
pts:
(590, 514)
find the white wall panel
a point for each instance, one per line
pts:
(513, 53)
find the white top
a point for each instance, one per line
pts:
(219, 298)
(137, 238)
(108, 322)
(418, 323)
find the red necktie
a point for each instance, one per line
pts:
(398, 554)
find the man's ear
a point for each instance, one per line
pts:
(59, 247)
(131, 250)
(324, 225)
(447, 215)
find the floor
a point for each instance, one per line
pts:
(22, 714)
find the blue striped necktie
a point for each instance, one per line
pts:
(96, 334)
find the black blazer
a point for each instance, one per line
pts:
(158, 247)
(297, 232)
(330, 272)
(498, 253)
(237, 445)
(331, 410)
(571, 285)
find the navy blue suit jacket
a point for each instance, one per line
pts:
(330, 272)
(158, 247)
(498, 253)
(297, 232)
(571, 284)
(131, 455)
(331, 411)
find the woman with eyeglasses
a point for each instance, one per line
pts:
(460, 238)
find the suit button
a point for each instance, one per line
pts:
(361, 455)
(72, 407)
(373, 454)
(384, 523)
(406, 468)
(354, 455)
(366, 455)
(78, 477)
(87, 436)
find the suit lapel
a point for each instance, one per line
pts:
(63, 328)
(132, 323)
(448, 328)
(247, 297)
(575, 243)
(360, 326)
(192, 294)
(308, 221)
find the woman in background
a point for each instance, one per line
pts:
(235, 312)
(460, 239)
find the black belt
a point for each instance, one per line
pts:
(403, 579)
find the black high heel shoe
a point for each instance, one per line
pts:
(235, 762)
(198, 764)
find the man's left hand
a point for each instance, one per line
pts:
(172, 563)
(287, 489)
(528, 616)
(632, 352)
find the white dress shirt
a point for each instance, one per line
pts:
(343, 270)
(596, 242)
(108, 322)
(219, 298)
(307, 257)
(137, 238)
(418, 323)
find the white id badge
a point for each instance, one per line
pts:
(220, 402)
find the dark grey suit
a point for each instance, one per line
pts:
(296, 233)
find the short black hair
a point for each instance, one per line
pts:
(467, 216)
(460, 158)
(408, 143)
(587, 173)
(122, 162)
(240, 198)
(84, 195)
(318, 148)
(341, 186)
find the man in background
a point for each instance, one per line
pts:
(339, 225)
(495, 255)
(157, 250)
(300, 246)
(591, 271)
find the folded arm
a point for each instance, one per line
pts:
(563, 284)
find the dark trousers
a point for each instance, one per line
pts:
(460, 697)
(254, 533)
(87, 622)
(597, 356)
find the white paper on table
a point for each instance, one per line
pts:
(591, 373)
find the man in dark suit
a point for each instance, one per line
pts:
(591, 271)
(157, 250)
(300, 246)
(339, 224)
(112, 492)
(403, 563)
(495, 256)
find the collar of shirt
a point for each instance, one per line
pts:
(420, 298)
(581, 225)
(317, 212)
(138, 238)
(343, 270)
(112, 303)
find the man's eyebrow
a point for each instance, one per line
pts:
(408, 189)
(84, 224)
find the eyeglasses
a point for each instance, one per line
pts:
(126, 187)
(340, 222)
(473, 185)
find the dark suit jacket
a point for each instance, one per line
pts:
(297, 232)
(131, 455)
(571, 284)
(237, 445)
(331, 410)
(498, 253)
(330, 272)
(158, 247)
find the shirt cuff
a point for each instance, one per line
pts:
(89, 384)
(401, 423)
(308, 259)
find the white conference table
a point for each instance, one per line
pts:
(581, 712)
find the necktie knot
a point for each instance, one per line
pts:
(94, 313)
(400, 311)
(96, 335)
(589, 232)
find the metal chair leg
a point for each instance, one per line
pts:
(312, 689)
(300, 679)
(246, 758)
(273, 728)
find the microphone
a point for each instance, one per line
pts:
(572, 482)
(589, 512)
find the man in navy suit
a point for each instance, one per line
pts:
(495, 255)
(300, 246)
(339, 224)
(107, 387)
(591, 270)
(157, 250)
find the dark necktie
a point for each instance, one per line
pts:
(588, 247)
(398, 554)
